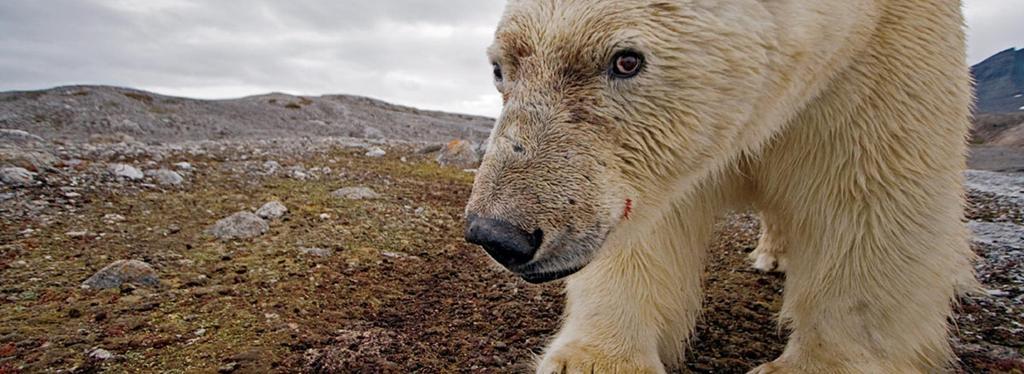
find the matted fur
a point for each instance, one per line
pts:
(843, 121)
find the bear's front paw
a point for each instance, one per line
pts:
(577, 358)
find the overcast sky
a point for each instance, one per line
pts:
(425, 53)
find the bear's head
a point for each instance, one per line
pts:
(611, 110)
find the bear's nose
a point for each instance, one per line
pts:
(506, 243)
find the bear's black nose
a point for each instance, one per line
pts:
(506, 243)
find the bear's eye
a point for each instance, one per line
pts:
(626, 64)
(498, 76)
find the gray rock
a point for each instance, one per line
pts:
(16, 176)
(272, 210)
(112, 218)
(356, 193)
(100, 354)
(429, 148)
(241, 225)
(126, 171)
(271, 167)
(376, 152)
(460, 154)
(19, 138)
(121, 272)
(183, 166)
(22, 149)
(165, 177)
(230, 367)
(370, 132)
(298, 173)
(316, 252)
(35, 159)
(77, 234)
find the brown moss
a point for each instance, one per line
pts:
(140, 97)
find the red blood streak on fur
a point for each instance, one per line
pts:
(626, 211)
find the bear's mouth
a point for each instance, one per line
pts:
(548, 276)
(563, 256)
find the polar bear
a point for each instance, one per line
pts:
(629, 126)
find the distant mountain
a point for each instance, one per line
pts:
(1000, 82)
(74, 113)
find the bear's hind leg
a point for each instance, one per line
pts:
(770, 254)
(871, 289)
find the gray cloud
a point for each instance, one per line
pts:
(992, 26)
(423, 53)
(427, 53)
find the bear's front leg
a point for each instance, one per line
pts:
(633, 308)
(605, 331)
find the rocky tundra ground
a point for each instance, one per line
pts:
(342, 255)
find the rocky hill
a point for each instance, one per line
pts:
(74, 113)
(1000, 82)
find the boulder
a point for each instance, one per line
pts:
(241, 225)
(125, 171)
(100, 354)
(31, 159)
(19, 138)
(316, 252)
(16, 176)
(272, 210)
(356, 193)
(121, 272)
(271, 166)
(460, 154)
(429, 148)
(165, 177)
(299, 173)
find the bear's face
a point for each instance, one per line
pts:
(610, 107)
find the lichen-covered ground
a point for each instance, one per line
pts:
(401, 291)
